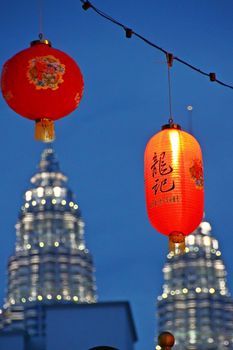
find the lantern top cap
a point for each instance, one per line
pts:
(41, 41)
(171, 126)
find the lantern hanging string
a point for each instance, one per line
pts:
(40, 10)
(169, 57)
(130, 32)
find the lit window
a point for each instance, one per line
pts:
(48, 191)
(219, 265)
(40, 191)
(205, 227)
(207, 241)
(191, 239)
(57, 191)
(81, 224)
(215, 244)
(28, 195)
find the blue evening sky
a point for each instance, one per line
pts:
(101, 145)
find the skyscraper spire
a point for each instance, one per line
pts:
(195, 304)
(51, 263)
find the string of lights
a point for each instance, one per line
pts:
(170, 57)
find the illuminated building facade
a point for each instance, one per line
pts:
(196, 305)
(51, 263)
(51, 295)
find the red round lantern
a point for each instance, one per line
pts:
(42, 84)
(174, 184)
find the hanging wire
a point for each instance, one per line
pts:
(170, 58)
(130, 32)
(40, 10)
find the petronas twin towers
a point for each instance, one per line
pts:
(51, 263)
(195, 304)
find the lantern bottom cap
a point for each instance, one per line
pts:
(44, 130)
(177, 243)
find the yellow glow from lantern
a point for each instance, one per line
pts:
(175, 146)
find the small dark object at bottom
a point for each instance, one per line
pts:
(166, 340)
(103, 348)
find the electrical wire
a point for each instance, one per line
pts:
(129, 32)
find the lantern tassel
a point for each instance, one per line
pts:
(44, 130)
(177, 243)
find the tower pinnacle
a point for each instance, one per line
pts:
(51, 263)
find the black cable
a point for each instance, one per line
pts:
(129, 32)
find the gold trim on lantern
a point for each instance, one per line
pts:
(171, 126)
(41, 41)
(177, 243)
(44, 130)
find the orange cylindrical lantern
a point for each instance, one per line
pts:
(43, 84)
(174, 183)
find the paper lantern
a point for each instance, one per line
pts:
(42, 84)
(174, 184)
